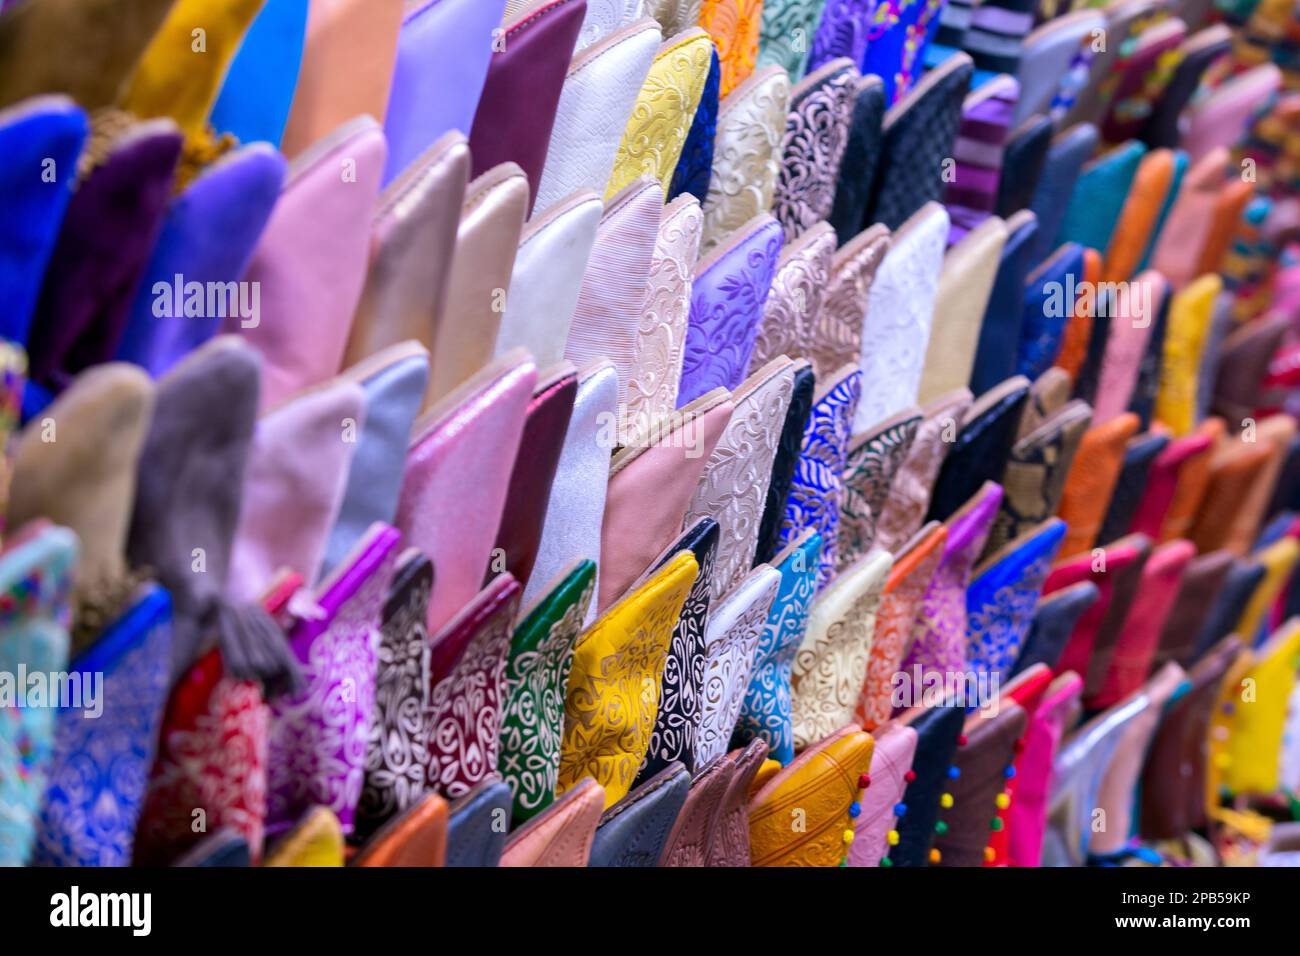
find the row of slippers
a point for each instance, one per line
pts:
(931, 223)
(1011, 785)
(776, 659)
(472, 269)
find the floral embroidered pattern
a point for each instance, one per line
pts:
(915, 40)
(733, 488)
(663, 113)
(837, 335)
(898, 610)
(909, 493)
(765, 711)
(795, 299)
(212, 755)
(751, 123)
(786, 33)
(831, 665)
(100, 767)
(788, 450)
(843, 31)
(727, 300)
(814, 500)
(1000, 603)
(940, 629)
(734, 26)
(734, 633)
(696, 164)
(816, 134)
(674, 15)
(465, 706)
(661, 330)
(613, 691)
(872, 462)
(319, 736)
(536, 675)
(397, 751)
(41, 591)
(677, 723)
(1035, 475)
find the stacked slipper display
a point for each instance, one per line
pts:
(650, 433)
